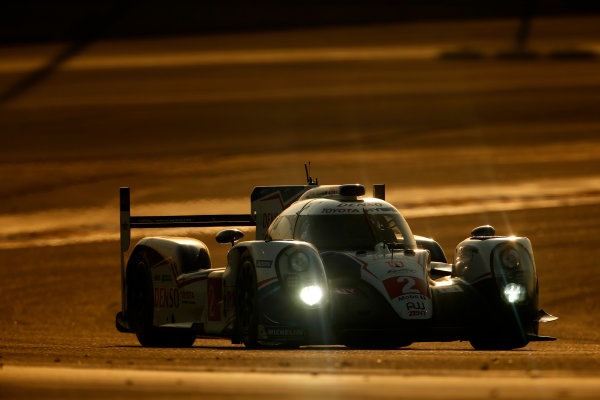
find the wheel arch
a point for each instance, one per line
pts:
(234, 260)
(188, 254)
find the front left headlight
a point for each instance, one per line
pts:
(311, 294)
(514, 271)
(302, 275)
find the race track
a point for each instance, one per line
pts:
(193, 124)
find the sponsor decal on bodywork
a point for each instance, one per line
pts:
(416, 308)
(177, 297)
(264, 263)
(408, 297)
(284, 332)
(357, 208)
(187, 297)
(395, 264)
(402, 281)
(166, 297)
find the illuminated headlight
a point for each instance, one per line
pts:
(302, 276)
(515, 272)
(514, 293)
(311, 295)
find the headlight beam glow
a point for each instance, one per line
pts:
(514, 293)
(311, 295)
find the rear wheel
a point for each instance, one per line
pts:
(247, 304)
(165, 337)
(140, 305)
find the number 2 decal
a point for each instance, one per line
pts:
(405, 285)
(408, 285)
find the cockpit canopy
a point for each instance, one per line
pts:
(337, 225)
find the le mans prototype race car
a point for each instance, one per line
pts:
(327, 267)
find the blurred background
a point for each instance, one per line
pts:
(470, 112)
(60, 20)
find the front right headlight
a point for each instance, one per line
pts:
(515, 293)
(514, 271)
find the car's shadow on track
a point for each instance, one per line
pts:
(323, 348)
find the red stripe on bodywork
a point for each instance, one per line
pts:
(178, 282)
(277, 195)
(162, 262)
(262, 283)
(486, 275)
(274, 196)
(172, 265)
(189, 282)
(364, 266)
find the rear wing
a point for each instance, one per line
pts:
(174, 221)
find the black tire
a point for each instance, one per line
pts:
(497, 343)
(507, 330)
(246, 304)
(165, 337)
(496, 337)
(140, 305)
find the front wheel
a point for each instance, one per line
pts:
(499, 343)
(246, 307)
(497, 337)
(505, 330)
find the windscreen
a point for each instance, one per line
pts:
(361, 231)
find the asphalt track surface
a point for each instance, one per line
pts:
(192, 124)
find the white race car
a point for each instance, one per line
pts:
(327, 267)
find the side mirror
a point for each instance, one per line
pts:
(229, 236)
